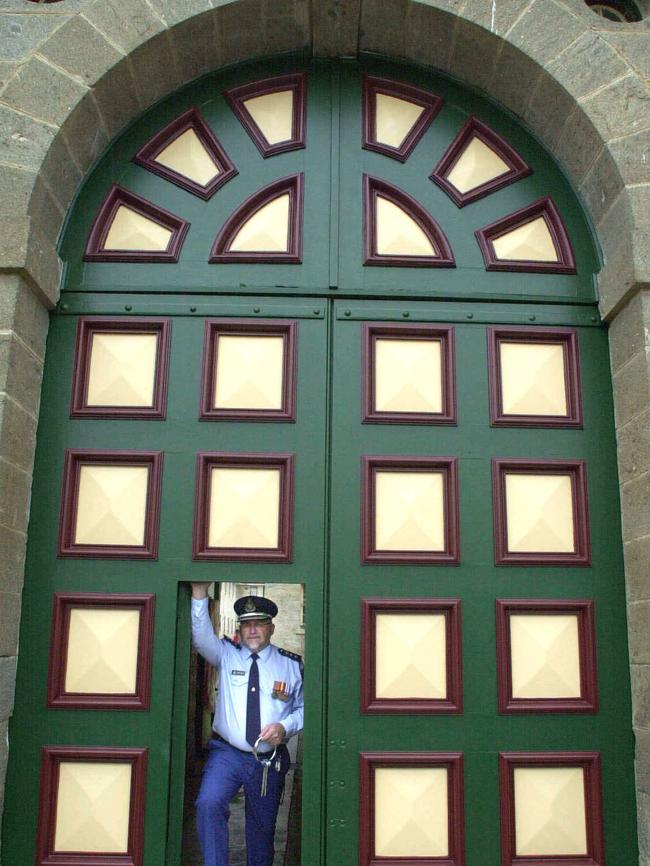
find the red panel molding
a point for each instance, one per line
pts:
(191, 119)
(63, 603)
(584, 610)
(288, 330)
(51, 759)
(370, 333)
(453, 762)
(451, 610)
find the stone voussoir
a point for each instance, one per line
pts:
(43, 92)
(81, 50)
(125, 24)
(532, 33)
(587, 64)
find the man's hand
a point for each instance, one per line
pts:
(200, 590)
(273, 734)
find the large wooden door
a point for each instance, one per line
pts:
(444, 484)
(101, 714)
(476, 598)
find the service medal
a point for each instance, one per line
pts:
(280, 691)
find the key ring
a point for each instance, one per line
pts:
(265, 755)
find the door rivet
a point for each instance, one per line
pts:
(128, 307)
(256, 309)
(317, 312)
(65, 306)
(347, 313)
(531, 318)
(405, 315)
(470, 315)
(192, 309)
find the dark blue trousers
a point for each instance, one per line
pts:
(226, 770)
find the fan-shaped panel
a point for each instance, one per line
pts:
(531, 239)
(396, 116)
(188, 153)
(273, 112)
(267, 227)
(477, 163)
(129, 228)
(398, 231)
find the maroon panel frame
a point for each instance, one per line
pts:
(448, 466)
(205, 462)
(90, 325)
(590, 762)
(451, 609)
(584, 610)
(117, 196)
(64, 602)
(475, 128)
(428, 101)
(288, 330)
(74, 460)
(369, 762)
(373, 331)
(297, 82)
(542, 207)
(577, 470)
(51, 759)
(568, 337)
(374, 187)
(294, 185)
(191, 119)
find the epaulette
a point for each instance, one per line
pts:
(232, 642)
(294, 656)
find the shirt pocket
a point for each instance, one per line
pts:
(238, 678)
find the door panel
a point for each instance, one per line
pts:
(160, 728)
(477, 731)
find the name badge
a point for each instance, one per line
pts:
(238, 673)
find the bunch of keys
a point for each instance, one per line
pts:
(265, 760)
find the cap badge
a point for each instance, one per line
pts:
(249, 607)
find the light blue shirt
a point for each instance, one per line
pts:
(234, 663)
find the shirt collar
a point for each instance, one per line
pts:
(262, 654)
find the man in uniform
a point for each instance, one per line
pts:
(260, 701)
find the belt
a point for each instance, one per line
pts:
(216, 736)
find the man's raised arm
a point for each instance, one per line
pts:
(204, 639)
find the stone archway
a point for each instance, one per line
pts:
(79, 72)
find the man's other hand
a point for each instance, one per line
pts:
(200, 590)
(273, 734)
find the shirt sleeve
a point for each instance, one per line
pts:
(204, 639)
(294, 722)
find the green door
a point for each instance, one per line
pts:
(93, 729)
(445, 652)
(426, 446)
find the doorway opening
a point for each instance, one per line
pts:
(203, 689)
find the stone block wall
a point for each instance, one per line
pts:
(23, 328)
(630, 357)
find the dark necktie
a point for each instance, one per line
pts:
(253, 723)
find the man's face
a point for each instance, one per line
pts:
(256, 633)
